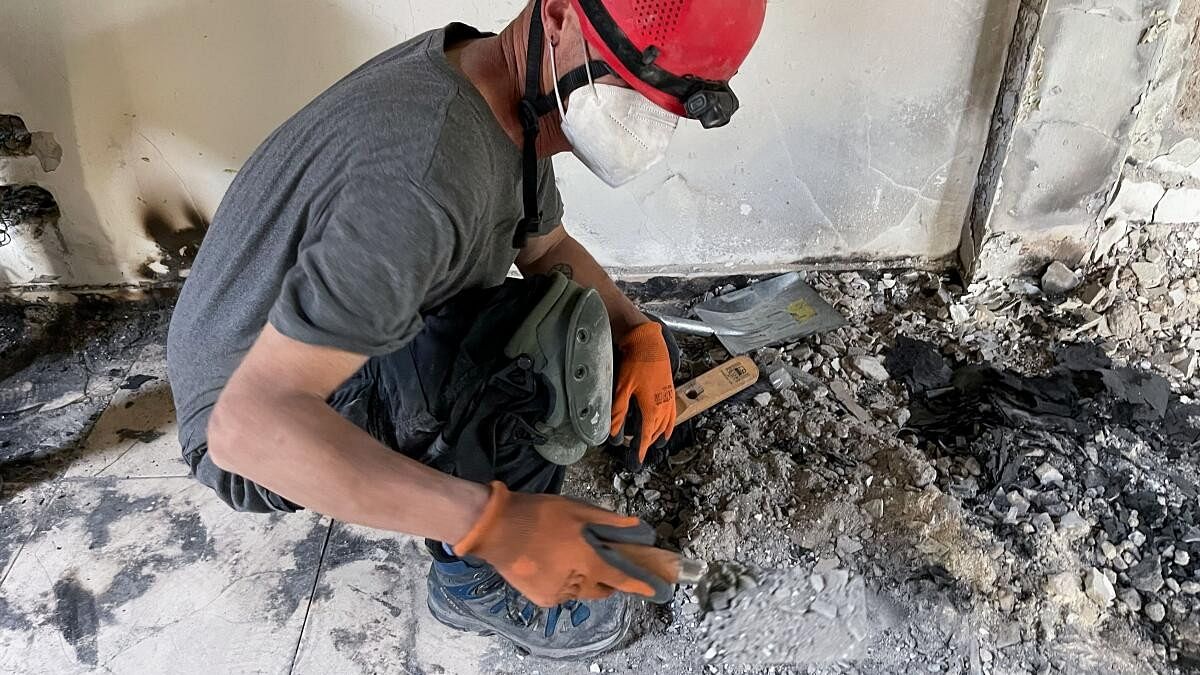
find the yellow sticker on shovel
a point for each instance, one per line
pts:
(801, 311)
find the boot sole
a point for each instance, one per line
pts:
(469, 624)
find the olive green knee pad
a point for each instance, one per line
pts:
(569, 340)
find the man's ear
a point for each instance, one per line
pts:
(555, 19)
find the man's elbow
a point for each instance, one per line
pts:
(226, 433)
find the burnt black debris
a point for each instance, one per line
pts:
(951, 400)
(15, 139)
(25, 204)
(1089, 451)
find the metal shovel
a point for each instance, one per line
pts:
(761, 315)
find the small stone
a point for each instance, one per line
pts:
(1059, 279)
(1110, 237)
(594, 668)
(763, 399)
(1124, 320)
(1131, 598)
(1187, 364)
(842, 393)
(1150, 275)
(1190, 588)
(1147, 575)
(1099, 588)
(1008, 636)
(874, 508)
(848, 546)
(1063, 585)
(1043, 523)
(1108, 550)
(871, 367)
(781, 378)
(728, 516)
(1073, 525)
(924, 475)
(1156, 612)
(959, 313)
(1048, 475)
(1182, 558)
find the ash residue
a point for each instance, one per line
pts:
(795, 617)
(59, 366)
(1031, 506)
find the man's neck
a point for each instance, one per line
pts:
(497, 66)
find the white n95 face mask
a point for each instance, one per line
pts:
(616, 132)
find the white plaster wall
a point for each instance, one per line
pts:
(862, 127)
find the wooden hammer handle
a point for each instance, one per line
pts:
(667, 565)
(717, 385)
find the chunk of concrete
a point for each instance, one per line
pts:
(1059, 279)
(1150, 275)
(1099, 588)
(1179, 207)
(1183, 160)
(1135, 202)
(871, 367)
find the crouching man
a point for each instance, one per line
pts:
(347, 342)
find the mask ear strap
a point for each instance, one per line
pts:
(576, 79)
(554, 74)
(587, 65)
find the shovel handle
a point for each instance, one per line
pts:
(687, 326)
(693, 327)
(668, 565)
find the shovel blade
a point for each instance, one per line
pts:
(768, 313)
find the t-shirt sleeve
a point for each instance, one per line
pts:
(361, 285)
(551, 204)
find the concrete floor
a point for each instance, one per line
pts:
(119, 562)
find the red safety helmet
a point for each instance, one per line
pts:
(680, 54)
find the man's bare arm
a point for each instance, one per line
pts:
(559, 252)
(272, 426)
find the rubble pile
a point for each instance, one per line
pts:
(1013, 464)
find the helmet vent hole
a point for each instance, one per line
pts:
(657, 20)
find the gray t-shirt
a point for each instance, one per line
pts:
(387, 195)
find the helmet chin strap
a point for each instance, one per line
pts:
(535, 105)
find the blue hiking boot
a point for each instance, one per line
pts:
(470, 595)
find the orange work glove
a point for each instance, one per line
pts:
(553, 549)
(645, 377)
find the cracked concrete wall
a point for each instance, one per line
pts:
(1160, 183)
(1085, 96)
(863, 125)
